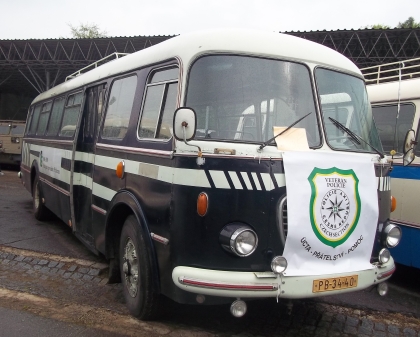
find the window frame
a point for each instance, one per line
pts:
(166, 84)
(42, 112)
(105, 106)
(73, 93)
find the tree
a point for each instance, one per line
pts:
(377, 26)
(409, 23)
(86, 31)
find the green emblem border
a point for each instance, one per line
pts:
(314, 173)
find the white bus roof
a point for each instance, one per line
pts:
(189, 46)
(388, 91)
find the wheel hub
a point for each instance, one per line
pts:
(130, 268)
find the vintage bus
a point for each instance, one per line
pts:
(11, 134)
(394, 91)
(217, 167)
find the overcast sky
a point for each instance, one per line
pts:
(39, 19)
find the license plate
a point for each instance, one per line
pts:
(334, 283)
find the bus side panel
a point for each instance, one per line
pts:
(405, 184)
(54, 170)
(52, 164)
(154, 196)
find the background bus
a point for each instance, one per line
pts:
(11, 133)
(394, 91)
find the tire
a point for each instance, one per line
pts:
(41, 212)
(137, 277)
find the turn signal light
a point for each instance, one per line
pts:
(202, 204)
(393, 204)
(119, 171)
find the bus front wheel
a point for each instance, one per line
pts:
(141, 298)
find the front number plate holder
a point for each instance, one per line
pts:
(334, 283)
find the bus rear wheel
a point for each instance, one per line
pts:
(137, 277)
(41, 212)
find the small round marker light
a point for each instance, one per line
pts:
(238, 308)
(382, 288)
(278, 264)
(384, 255)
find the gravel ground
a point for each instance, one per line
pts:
(76, 291)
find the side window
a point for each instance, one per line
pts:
(392, 131)
(43, 118)
(34, 119)
(71, 115)
(56, 114)
(159, 105)
(120, 104)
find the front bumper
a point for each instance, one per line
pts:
(268, 284)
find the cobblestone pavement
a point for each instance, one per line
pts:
(76, 291)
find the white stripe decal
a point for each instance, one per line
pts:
(107, 162)
(85, 157)
(384, 183)
(280, 179)
(219, 179)
(148, 170)
(246, 180)
(235, 180)
(103, 192)
(256, 181)
(188, 177)
(82, 180)
(268, 184)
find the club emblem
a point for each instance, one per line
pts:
(335, 204)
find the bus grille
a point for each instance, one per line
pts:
(282, 219)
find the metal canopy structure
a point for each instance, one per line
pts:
(33, 66)
(28, 67)
(369, 47)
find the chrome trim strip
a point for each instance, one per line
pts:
(59, 189)
(385, 274)
(227, 286)
(135, 150)
(24, 168)
(159, 238)
(406, 224)
(49, 141)
(208, 155)
(98, 209)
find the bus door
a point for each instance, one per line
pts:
(84, 163)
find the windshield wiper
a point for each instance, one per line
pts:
(353, 136)
(263, 145)
(345, 130)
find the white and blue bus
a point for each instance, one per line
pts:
(394, 91)
(217, 167)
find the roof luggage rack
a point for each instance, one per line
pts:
(392, 71)
(96, 64)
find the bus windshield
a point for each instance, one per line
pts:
(344, 100)
(241, 98)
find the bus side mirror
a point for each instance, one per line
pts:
(409, 146)
(185, 121)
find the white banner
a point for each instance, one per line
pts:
(332, 212)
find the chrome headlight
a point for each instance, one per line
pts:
(384, 255)
(239, 239)
(391, 236)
